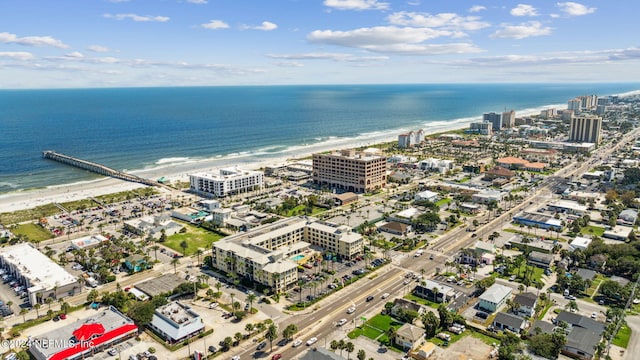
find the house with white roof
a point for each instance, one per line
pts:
(579, 242)
(495, 297)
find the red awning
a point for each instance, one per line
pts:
(86, 331)
(84, 346)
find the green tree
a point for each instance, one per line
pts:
(227, 342)
(272, 334)
(92, 296)
(184, 245)
(289, 331)
(349, 347)
(361, 354)
(251, 298)
(431, 323)
(175, 262)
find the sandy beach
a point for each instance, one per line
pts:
(21, 200)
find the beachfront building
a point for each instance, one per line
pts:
(481, 127)
(350, 171)
(84, 337)
(176, 322)
(41, 277)
(410, 139)
(229, 181)
(585, 129)
(152, 226)
(509, 119)
(270, 254)
(494, 119)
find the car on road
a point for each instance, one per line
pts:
(341, 322)
(312, 341)
(369, 298)
(213, 305)
(594, 315)
(384, 296)
(297, 343)
(512, 278)
(351, 310)
(276, 357)
(262, 345)
(237, 357)
(212, 348)
(112, 351)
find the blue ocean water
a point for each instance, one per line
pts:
(136, 128)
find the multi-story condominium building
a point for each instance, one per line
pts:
(228, 182)
(481, 127)
(509, 119)
(575, 105)
(585, 129)
(494, 119)
(412, 138)
(270, 254)
(350, 171)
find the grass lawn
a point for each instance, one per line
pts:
(622, 337)
(592, 230)
(374, 327)
(536, 276)
(32, 231)
(15, 217)
(299, 210)
(195, 238)
(544, 311)
(484, 338)
(454, 337)
(443, 201)
(421, 301)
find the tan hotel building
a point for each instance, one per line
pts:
(350, 171)
(270, 254)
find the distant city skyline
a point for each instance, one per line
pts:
(125, 43)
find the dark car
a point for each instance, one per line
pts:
(482, 315)
(212, 348)
(262, 345)
(370, 297)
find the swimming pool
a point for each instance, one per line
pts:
(297, 257)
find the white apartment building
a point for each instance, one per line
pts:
(270, 254)
(412, 138)
(228, 182)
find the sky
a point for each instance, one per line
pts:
(142, 43)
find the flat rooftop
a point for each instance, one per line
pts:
(35, 266)
(160, 285)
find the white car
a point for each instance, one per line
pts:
(237, 357)
(351, 310)
(384, 296)
(297, 343)
(341, 322)
(594, 315)
(213, 305)
(312, 341)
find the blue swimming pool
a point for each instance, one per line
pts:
(297, 257)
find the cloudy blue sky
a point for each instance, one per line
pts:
(114, 43)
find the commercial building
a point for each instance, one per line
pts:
(41, 277)
(270, 254)
(509, 119)
(579, 243)
(350, 171)
(494, 119)
(176, 322)
(540, 221)
(87, 242)
(85, 337)
(152, 226)
(585, 129)
(444, 293)
(229, 181)
(494, 298)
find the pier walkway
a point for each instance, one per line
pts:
(96, 168)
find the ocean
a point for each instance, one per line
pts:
(140, 128)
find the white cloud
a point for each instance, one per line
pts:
(522, 31)
(575, 9)
(17, 55)
(215, 24)
(9, 38)
(524, 10)
(137, 18)
(391, 39)
(98, 48)
(340, 57)
(265, 26)
(477, 8)
(75, 54)
(443, 20)
(574, 57)
(198, 2)
(356, 4)
(291, 64)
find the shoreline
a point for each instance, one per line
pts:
(178, 169)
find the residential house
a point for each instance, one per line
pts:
(505, 321)
(494, 297)
(426, 291)
(525, 304)
(539, 259)
(409, 336)
(403, 305)
(395, 228)
(135, 263)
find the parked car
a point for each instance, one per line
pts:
(312, 341)
(341, 322)
(351, 310)
(276, 357)
(297, 343)
(262, 345)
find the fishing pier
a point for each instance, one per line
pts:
(96, 168)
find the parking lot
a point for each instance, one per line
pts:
(14, 294)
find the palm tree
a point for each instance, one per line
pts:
(48, 301)
(175, 262)
(349, 347)
(24, 312)
(250, 299)
(37, 307)
(199, 253)
(155, 251)
(435, 291)
(272, 334)
(391, 334)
